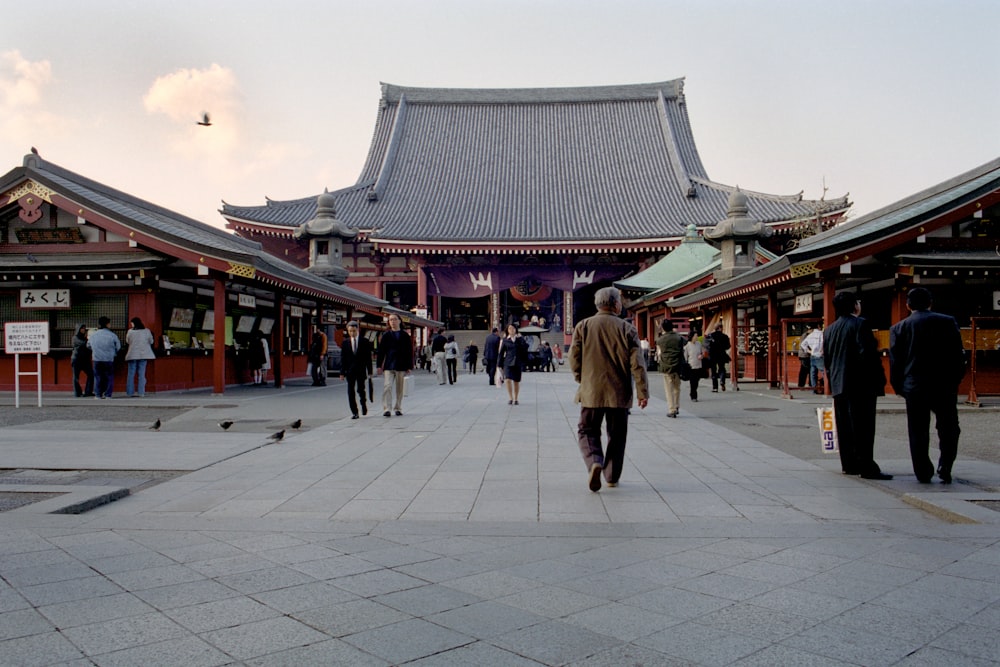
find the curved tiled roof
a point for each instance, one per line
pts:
(543, 165)
(182, 232)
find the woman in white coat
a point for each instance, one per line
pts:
(694, 354)
(140, 342)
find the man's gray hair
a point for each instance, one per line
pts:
(607, 297)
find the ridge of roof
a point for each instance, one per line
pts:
(673, 88)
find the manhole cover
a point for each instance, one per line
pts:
(220, 406)
(761, 409)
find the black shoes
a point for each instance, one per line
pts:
(354, 417)
(386, 414)
(595, 477)
(945, 475)
(672, 413)
(399, 413)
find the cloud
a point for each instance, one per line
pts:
(23, 85)
(182, 96)
(22, 81)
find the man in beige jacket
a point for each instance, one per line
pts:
(605, 359)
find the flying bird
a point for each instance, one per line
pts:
(277, 436)
(297, 424)
(224, 425)
(206, 120)
(155, 426)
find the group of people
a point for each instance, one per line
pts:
(94, 355)
(608, 363)
(926, 365)
(689, 358)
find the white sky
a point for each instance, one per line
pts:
(879, 98)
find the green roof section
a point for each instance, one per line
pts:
(692, 255)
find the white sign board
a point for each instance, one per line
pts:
(26, 337)
(44, 298)
(803, 303)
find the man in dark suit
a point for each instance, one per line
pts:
(926, 364)
(355, 367)
(395, 361)
(718, 357)
(856, 378)
(491, 352)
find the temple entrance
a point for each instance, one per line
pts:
(466, 313)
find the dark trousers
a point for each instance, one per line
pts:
(695, 376)
(104, 372)
(589, 439)
(319, 370)
(356, 384)
(718, 373)
(473, 361)
(491, 369)
(805, 363)
(855, 417)
(87, 368)
(452, 366)
(918, 423)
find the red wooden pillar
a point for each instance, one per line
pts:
(775, 352)
(219, 326)
(279, 349)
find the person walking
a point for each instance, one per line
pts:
(605, 360)
(451, 359)
(139, 342)
(694, 353)
(104, 345)
(718, 357)
(355, 367)
(437, 349)
(491, 352)
(81, 361)
(513, 354)
(473, 353)
(926, 364)
(814, 346)
(856, 379)
(395, 361)
(317, 356)
(670, 348)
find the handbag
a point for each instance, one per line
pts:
(684, 370)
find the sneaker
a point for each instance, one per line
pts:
(595, 477)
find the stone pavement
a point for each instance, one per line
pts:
(463, 533)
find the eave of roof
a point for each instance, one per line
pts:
(173, 234)
(909, 216)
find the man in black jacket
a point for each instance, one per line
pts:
(927, 362)
(355, 367)
(395, 361)
(491, 352)
(718, 357)
(856, 378)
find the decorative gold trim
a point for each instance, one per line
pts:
(800, 270)
(242, 270)
(29, 187)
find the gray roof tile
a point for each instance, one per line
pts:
(539, 165)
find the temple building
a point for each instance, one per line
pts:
(479, 207)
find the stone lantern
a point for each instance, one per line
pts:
(326, 237)
(736, 237)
